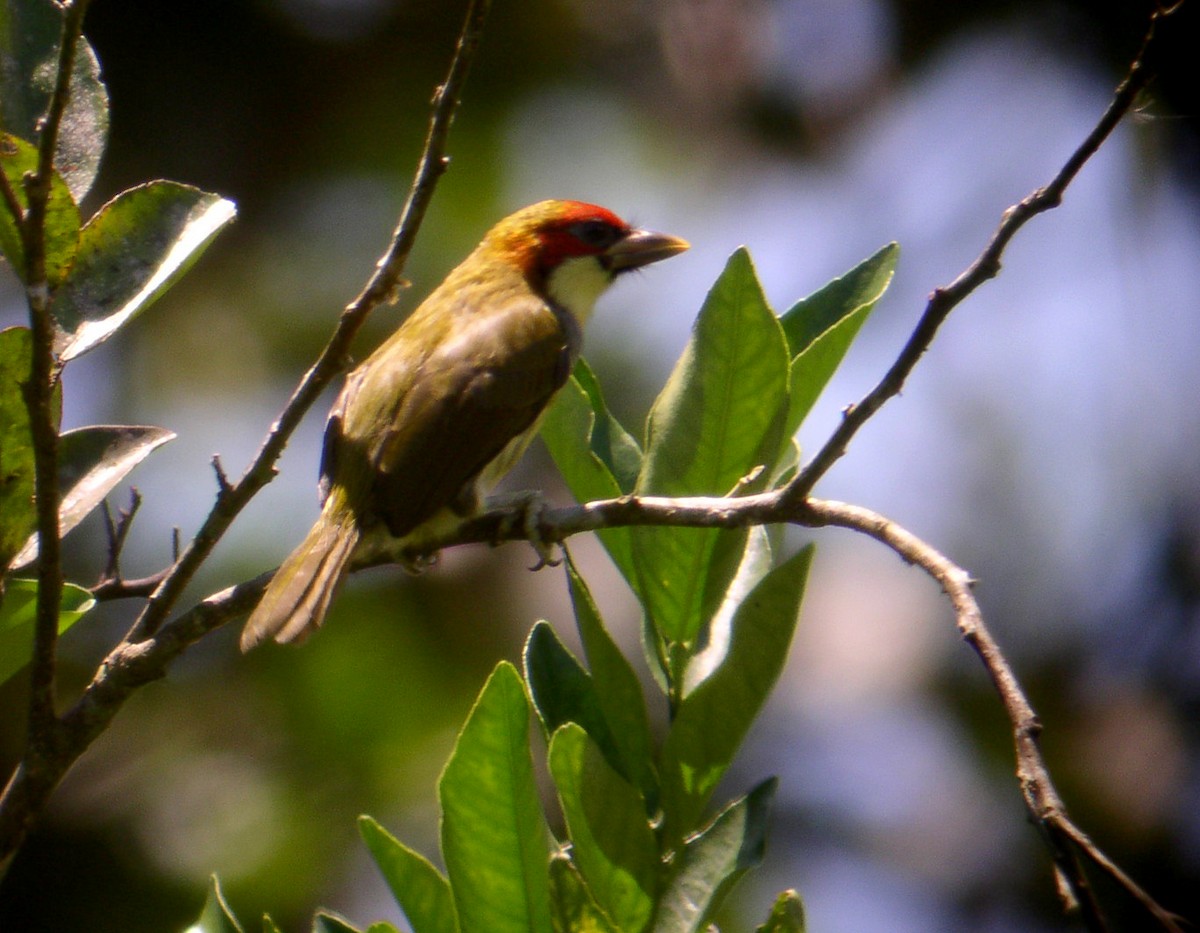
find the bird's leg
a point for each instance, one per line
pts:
(527, 508)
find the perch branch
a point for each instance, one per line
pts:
(143, 653)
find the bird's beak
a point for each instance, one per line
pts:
(640, 248)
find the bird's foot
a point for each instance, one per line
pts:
(527, 509)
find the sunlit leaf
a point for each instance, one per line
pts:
(494, 837)
(422, 891)
(618, 691)
(92, 461)
(821, 327)
(18, 614)
(574, 910)
(562, 690)
(325, 922)
(719, 417)
(712, 862)
(18, 514)
(611, 840)
(597, 457)
(18, 157)
(30, 34)
(216, 917)
(129, 253)
(713, 718)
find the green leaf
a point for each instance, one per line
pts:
(714, 717)
(30, 34)
(611, 840)
(422, 891)
(718, 417)
(17, 157)
(615, 447)
(18, 615)
(92, 461)
(381, 926)
(618, 692)
(574, 910)
(216, 917)
(130, 252)
(787, 915)
(494, 837)
(325, 922)
(596, 456)
(18, 513)
(563, 691)
(757, 559)
(712, 862)
(821, 327)
(269, 925)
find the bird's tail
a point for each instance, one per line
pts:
(299, 594)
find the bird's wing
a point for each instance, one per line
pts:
(452, 411)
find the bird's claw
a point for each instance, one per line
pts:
(528, 508)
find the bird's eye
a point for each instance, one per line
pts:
(595, 233)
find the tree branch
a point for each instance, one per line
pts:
(379, 289)
(986, 266)
(143, 654)
(44, 369)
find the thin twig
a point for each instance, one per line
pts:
(378, 290)
(1042, 800)
(39, 398)
(986, 266)
(42, 741)
(142, 656)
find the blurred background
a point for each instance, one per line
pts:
(1050, 441)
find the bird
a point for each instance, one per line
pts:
(427, 425)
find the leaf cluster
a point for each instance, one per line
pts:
(99, 273)
(642, 850)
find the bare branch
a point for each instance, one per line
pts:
(144, 653)
(986, 266)
(44, 373)
(329, 364)
(1046, 809)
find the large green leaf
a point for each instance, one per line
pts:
(712, 862)
(574, 910)
(129, 253)
(18, 614)
(618, 690)
(18, 157)
(597, 457)
(215, 917)
(18, 514)
(494, 837)
(563, 691)
(422, 891)
(30, 35)
(713, 718)
(718, 418)
(821, 327)
(611, 840)
(92, 461)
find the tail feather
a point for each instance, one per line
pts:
(299, 595)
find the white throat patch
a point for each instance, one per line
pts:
(577, 283)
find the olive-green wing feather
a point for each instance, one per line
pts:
(422, 426)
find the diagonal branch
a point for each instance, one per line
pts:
(986, 266)
(144, 653)
(232, 498)
(1046, 809)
